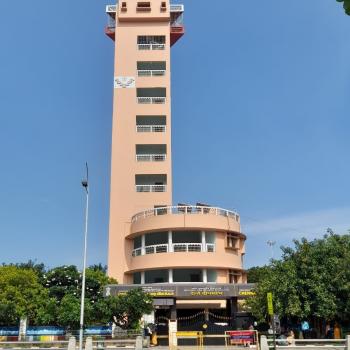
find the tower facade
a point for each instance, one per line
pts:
(152, 241)
(141, 137)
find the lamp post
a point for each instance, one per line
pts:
(85, 184)
(271, 244)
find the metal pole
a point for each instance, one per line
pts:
(86, 186)
(273, 331)
(271, 244)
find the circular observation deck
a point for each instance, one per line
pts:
(186, 216)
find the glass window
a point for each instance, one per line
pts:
(151, 39)
(211, 276)
(210, 237)
(187, 275)
(137, 278)
(156, 238)
(233, 276)
(137, 242)
(156, 276)
(187, 237)
(232, 241)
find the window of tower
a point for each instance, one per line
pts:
(187, 275)
(150, 123)
(150, 153)
(151, 42)
(155, 95)
(233, 276)
(150, 182)
(143, 6)
(156, 276)
(232, 241)
(137, 278)
(151, 68)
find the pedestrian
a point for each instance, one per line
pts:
(337, 331)
(291, 338)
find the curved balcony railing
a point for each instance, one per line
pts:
(175, 247)
(187, 210)
(150, 157)
(150, 128)
(157, 248)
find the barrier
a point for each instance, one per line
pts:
(90, 344)
(310, 344)
(241, 337)
(197, 335)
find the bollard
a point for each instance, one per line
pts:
(138, 344)
(263, 343)
(347, 342)
(88, 343)
(72, 343)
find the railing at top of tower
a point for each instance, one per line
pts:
(173, 8)
(186, 210)
(177, 8)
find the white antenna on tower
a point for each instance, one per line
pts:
(271, 244)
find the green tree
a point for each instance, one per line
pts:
(125, 310)
(69, 312)
(64, 285)
(64, 280)
(52, 297)
(312, 280)
(346, 5)
(21, 295)
(47, 313)
(257, 273)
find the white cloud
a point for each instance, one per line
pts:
(283, 229)
(311, 224)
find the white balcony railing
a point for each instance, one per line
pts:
(150, 157)
(150, 72)
(151, 46)
(157, 248)
(187, 247)
(186, 210)
(150, 128)
(150, 188)
(210, 247)
(176, 248)
(137, 252)
(151, 100)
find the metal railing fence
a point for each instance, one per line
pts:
(188, 210)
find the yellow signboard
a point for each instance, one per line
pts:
(269, 304)
(246, 293)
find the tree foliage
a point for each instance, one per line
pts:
(312, 280)
(52, 297)
(256, 273)
(346, 5)
(21, 294)
(125, 310)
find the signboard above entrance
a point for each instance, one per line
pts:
(186, 290)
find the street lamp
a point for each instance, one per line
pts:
(271, 244)
(85, 184)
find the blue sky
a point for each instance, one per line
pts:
(260, 97)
